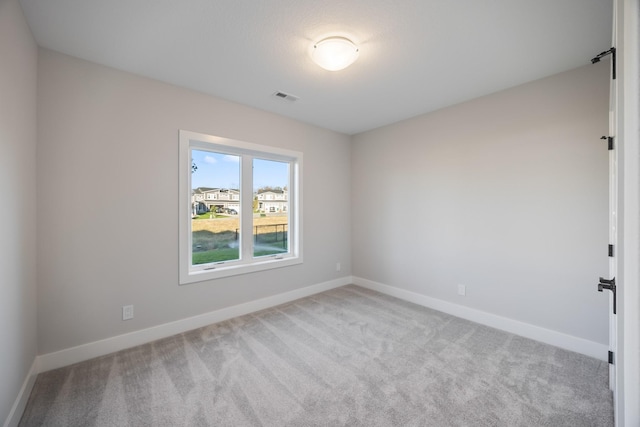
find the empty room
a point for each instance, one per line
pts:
(303, 213)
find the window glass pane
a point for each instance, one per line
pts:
(270, 207)
(215, 207)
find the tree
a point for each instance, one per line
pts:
(268, 188)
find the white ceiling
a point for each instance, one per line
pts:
(416, 56)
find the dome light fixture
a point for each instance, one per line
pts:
(334, 53)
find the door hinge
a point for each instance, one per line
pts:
(601, 55)
(610, 250)
(609, 142)
(610, 357)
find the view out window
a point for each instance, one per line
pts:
(271, 232)
(239, 207)
(214, 231)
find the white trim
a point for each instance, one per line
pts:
(628, 371)
(613, 211)
(90, 350)
(267, 263)
(247, 151)
(527, 330)
(23, 396)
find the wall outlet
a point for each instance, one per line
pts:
(462, 290)
(127, 312)
(338, 266)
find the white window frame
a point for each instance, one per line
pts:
(248, 263)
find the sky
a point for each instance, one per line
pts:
(219, 170)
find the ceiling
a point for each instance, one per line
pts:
(416, 56)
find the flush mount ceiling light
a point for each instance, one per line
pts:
(334, 53)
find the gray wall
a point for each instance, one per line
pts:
(108, 192)
(506, 194)
(18, 68)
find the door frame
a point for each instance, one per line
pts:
(627, 387)
(614, 206)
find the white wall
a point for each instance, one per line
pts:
(506, 194)
(18, 68)
(108, 192)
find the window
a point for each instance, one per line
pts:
(239, 234)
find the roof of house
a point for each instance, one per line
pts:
(202, 190)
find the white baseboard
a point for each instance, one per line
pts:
(90, 350)
(547, 336)
(87, 351)
(25, 391)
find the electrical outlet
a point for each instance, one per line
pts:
(338, 266)
(127, 312)
(462, 290)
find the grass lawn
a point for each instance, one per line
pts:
(227, 254)
(209, 215)
(216, 255)
(216, 239)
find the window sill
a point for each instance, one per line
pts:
(221, 271)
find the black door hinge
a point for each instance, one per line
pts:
(609, 142)
(610, 357)
(610, 250)
(601, 55)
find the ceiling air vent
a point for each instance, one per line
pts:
(285, 96)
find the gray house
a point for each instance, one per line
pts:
(206, 199)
